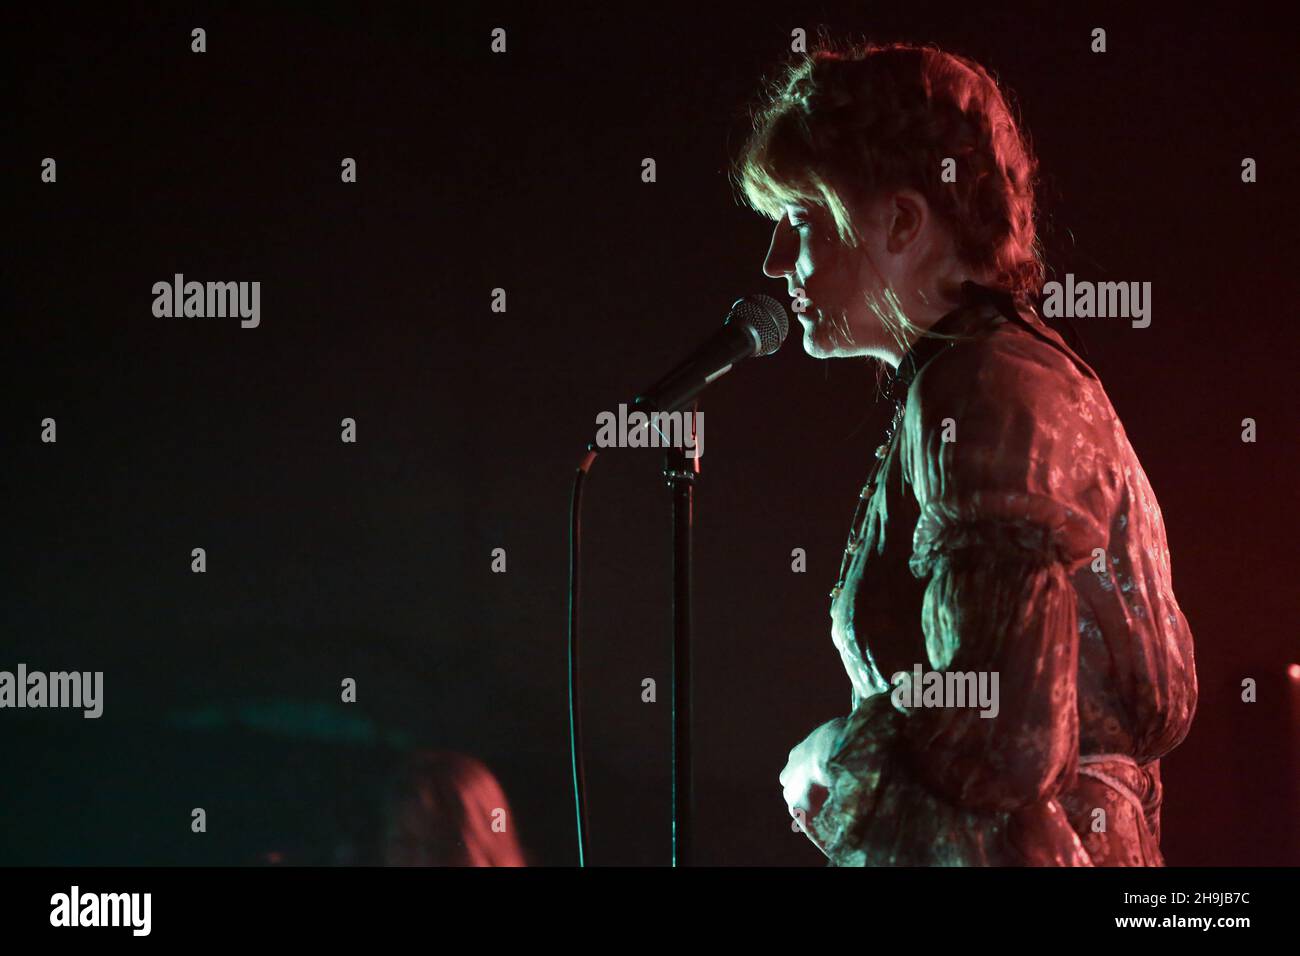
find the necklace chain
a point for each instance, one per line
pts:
(857, 526)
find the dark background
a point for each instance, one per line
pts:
(372, 560)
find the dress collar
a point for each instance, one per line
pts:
(967, 317)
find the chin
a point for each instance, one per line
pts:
(819, 343)
(817, 350)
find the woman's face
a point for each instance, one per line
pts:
(840, 291)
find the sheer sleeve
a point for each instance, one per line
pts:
(986, 447)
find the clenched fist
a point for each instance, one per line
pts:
(804, 780)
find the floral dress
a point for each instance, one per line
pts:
(1010, 529)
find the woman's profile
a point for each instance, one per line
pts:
(1005, 528)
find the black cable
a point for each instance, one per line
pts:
(575, 715)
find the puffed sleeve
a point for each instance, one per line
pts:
(1003, 521)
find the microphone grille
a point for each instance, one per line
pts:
(765, 316)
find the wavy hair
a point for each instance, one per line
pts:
(440, 812)
(837, 126)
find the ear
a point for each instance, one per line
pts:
(906, 218)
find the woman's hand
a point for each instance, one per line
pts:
(804, 780)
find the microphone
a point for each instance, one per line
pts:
(755, 326)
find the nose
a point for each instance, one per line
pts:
(780, 254)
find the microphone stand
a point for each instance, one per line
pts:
(680, 473)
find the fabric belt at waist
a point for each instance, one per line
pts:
(1122, 774)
